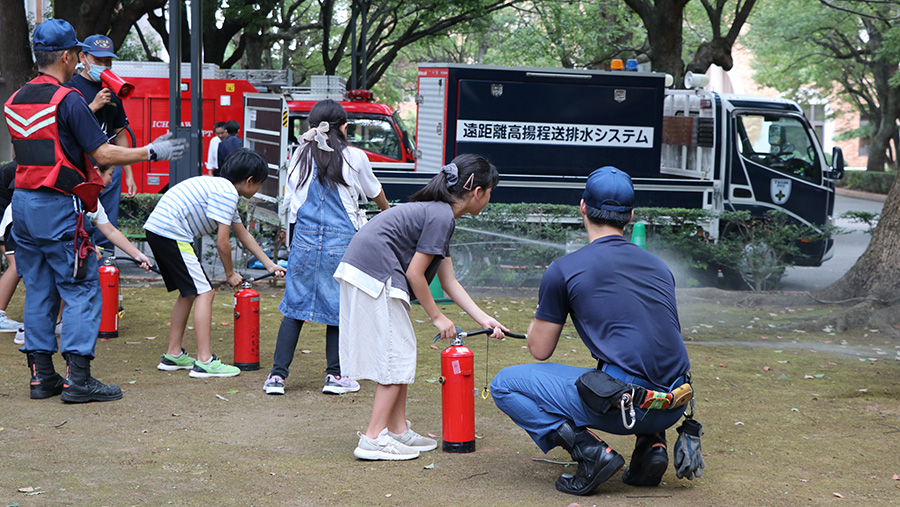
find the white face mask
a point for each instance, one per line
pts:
(96, 70)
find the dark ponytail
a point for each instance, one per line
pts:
(330, 164)
(451, 183)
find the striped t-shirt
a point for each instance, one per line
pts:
(193, 208)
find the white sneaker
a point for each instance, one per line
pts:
(383, 448)
(58, 329)
(274, 384)
(7, 325)
(334, 385)
(19, 339)
(412, 439)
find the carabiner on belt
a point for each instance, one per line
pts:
(626, 403)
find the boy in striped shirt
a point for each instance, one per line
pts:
(191, 209)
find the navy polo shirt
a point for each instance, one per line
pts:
(111, 116)
(79, 131)
(622, 302)
(230, 144)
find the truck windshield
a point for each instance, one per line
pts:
(407, 140)
(780, 143)
(371, 133)
(374, 134)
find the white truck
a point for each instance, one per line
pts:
(547, 129)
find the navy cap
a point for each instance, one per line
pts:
(609, 189)
(54, 35)
(100, 46)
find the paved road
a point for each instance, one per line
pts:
(848, 247)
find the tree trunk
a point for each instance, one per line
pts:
(877, 272)
(664, 23)
(16, 65)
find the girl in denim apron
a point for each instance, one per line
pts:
(326, 179)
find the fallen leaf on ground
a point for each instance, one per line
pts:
(838, 494)
(428, 467)
(27, 489)
(435, 347)
(766, 368)
(739, 423)
(226, 323)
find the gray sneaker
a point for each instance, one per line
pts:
(19, 339)
(334, 385)
(383, 448)
(7, 325)
(274, 385)
(412, 439)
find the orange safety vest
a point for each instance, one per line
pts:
(32, 121)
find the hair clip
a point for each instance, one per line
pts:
(469, 182)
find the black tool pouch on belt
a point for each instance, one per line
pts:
(600, 392)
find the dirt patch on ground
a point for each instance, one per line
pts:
(790, 419)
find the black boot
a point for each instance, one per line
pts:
(648, 461)
(45, 382)
(81, 387)
(597, 462)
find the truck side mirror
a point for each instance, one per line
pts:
(837, 164)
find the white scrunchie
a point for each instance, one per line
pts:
(318, 134)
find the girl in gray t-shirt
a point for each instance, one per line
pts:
(390, 262)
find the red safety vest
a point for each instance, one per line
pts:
(31, 118)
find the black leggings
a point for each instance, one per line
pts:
(286, 346)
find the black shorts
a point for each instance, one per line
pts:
(9, 241)
(178, 265)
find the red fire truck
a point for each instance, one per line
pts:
(373, 127)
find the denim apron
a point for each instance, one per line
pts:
(321, 235)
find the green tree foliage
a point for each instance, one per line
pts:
(844, 52)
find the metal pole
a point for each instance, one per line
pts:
(176, 169)
(196, 129)
(181, 169)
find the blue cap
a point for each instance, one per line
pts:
(54, 35)
(100, 46)
(609, 189)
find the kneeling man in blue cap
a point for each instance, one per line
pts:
(622, 302)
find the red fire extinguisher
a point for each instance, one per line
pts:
(109, 290)
(246, 327)
(458, 396)
(458, 391)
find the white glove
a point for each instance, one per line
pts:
(165, 148)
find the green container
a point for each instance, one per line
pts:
(639, 235)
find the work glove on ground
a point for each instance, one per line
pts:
(688, 455)
(165, 148)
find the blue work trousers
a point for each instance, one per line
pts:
(541, 397)
(44, 230)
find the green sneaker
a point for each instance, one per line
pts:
(215, 368)
(180, 362)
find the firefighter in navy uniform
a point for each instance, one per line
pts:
(622, 303)
(53, 132)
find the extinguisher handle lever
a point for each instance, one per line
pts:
(459, 332)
